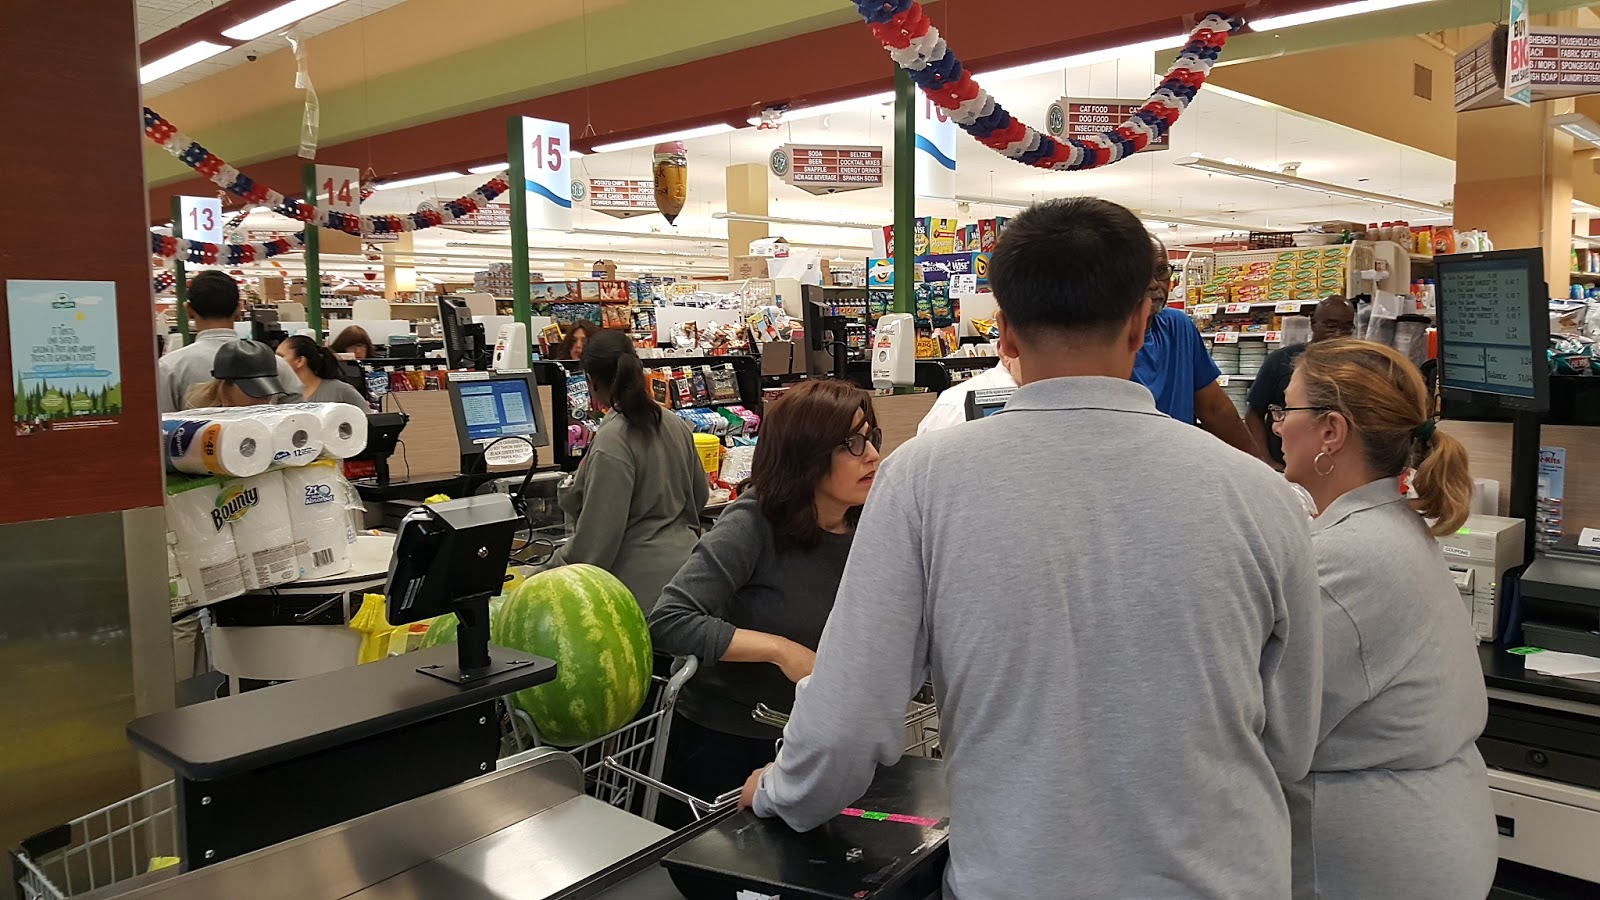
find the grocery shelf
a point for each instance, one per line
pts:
(1588, 277)
(1241, 334)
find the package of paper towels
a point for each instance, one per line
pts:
(295, 435)
(200, 536)
(344, 427)
(201, 445)
(258, 510)
(318, 497)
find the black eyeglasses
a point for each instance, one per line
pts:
(857, 443)
(1277, 413)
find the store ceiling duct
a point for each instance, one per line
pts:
(681, 135)
(1580, 126)
(413, 182)
(780, 220)
(1328, 13)
(1267, 176)
(199, 51)
(277, 18)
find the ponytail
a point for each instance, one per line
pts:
(320, 360)
(610, 361)
(1443, 483)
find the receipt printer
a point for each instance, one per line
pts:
(1478, 556)
(894, 352)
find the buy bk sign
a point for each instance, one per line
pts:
(1519, 63)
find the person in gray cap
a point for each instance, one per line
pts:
(244, 373)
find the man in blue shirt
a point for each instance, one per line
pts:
(1174, 365)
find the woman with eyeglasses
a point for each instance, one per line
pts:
(1397, 801)
(753, 598)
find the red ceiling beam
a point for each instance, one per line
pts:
(729, 87)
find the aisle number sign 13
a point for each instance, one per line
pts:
(201, 219)
(545, 151)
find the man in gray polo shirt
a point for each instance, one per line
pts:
(1127, 665)
(214, 304)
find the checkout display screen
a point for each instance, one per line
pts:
(1486, 338)
(494, 409)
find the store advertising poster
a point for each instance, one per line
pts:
(66, 367)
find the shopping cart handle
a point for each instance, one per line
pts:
(699, 807)
(766, 715)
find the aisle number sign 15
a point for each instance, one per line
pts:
(546, 170)
(201, 219)
(339, 189)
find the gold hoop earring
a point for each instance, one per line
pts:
(1317, 468)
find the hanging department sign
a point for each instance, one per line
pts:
(622, 197)
(1069, 118)
(540, 155)
(1562, 62)
(828, 169)
(1519, 68)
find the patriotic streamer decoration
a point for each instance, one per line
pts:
(164, 281)
(196, 157)
(915, 45)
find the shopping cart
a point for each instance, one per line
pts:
(922, 723)
(135, 835)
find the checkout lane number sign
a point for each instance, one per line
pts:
(547, 173)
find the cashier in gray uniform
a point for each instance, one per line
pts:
(1397, 802)
(1120, 615)
(752, 600)
(634, 504)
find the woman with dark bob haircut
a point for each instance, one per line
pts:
(752, 599)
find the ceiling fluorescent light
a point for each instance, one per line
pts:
(1580, 126)
(780, 220)
(413, 182)
(1326, 13)
(274, 19)
(683, 135)
(489, 169)
(182, 59)
(824, 109)
(1110, 54)
(1307, 184)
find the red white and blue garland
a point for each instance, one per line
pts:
(230, 179)
(915, 45)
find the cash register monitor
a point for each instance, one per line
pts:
(493, 405)
(463, 338)
(1494, 329)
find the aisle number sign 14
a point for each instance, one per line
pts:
(201, 219)
(1519, 62)
(339, 189)
(544, 149)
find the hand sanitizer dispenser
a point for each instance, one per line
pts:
(894, 352)
(511, 348)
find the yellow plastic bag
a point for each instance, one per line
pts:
(371, 620)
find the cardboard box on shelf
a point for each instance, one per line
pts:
(273, 290)
(604, 268)
(748, 267)
(774, 247)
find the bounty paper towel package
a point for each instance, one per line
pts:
(258, 511)
(201, 540)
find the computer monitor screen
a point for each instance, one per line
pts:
(463, 341)
(494, 405)
(1494, 326)
(986, 402)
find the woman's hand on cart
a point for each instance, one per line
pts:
(795, 660)
(747, 797)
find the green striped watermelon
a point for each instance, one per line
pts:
(443, 629)
(582, 617)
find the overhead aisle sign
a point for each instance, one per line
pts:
(544, 154)
(1084, 116)
(202, 219)
(1561, 62)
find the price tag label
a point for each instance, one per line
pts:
(546, 149)
(1222, 380)
(1206, 309)
(339, 189)
(963, 284)
(1232, 308)
(1287, 306)
(1274, 337)
(1226, 337)
(201, 219)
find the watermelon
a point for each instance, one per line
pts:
(443, 629)
(582, 617)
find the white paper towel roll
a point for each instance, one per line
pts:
(296, 434)
(344, 427)
(259, 512)
(208, 558)
(201, 445)
(317, 496)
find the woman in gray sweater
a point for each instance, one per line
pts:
(752, 600)
(634, 504)
(1397, 802)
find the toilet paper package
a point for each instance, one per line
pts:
(258, 510)
(295, 434)
(319, 496)
(200, 538)
(344, 427)
(203, 445)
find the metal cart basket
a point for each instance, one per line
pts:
(135, 835)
